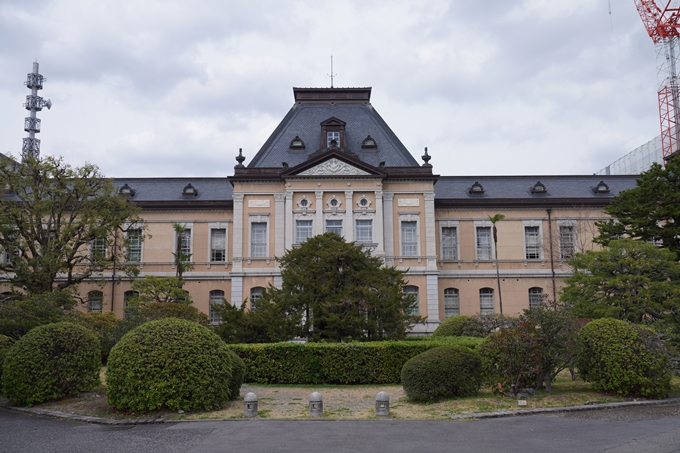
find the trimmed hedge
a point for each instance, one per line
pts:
(623, 358)
(238, 372)
(456, 326)
(172, 363)
(444, 372)
(5, 343)
(333, 363)
(50, 362)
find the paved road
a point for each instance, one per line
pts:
(607, 432)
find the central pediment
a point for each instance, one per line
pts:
(333, 167)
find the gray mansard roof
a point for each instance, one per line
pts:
(312, 107)
(167, 192)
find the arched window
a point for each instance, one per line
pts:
(94, 301)
(486, 304)
(535, 296)
(216, 299)
(127, 296)
(255, 296)
(451, 302)
(413, 290)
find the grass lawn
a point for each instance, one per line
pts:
(354, 402)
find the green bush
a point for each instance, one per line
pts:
(458, 326)
(444, 372)
(50, 362)
(334, 363)
(172, 363)
(106, 326)
(623, 358)
(5, 343)
(238, 371)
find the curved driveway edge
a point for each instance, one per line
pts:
(477, 415)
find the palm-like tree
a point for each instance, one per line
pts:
(493, 220)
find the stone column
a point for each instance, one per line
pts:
(388, 225)
(238, 232)
(379, 230)
(431, 243)
(349, 216)
(280, 221)
(289, 220)
(318, 218)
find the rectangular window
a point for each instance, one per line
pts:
(364, 231)
(535, 297)
(334, 226)
(451, 302)
(413, 291)
(218, 245)
(409, 238)
(483, 243)
(134, 246)
(532, 242)
(185, 243)
(303, 231)
(98, 249)
(333, 136)
(486, 301)
(449, 243)
(94, 301)
(216, 301)
(567, 242)
(258, 239)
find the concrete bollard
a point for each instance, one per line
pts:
(250, 405)
(382, 405)
(315, 405)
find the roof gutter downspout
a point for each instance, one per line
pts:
(552, 260)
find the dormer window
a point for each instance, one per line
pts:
(476, 189)
(601, 187)
(539, 188)
(369, 143)
(333, 130)
(126, 191)
(189, 191)
(297, 143)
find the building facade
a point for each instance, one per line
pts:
(333, 164)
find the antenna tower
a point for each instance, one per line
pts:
(34, 104)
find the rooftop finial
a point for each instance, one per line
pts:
(332, 75)
(240, 158)
(426, 158)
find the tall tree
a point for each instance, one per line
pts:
(630, 280)
(338, 292)
(61, 225)
(650, 211)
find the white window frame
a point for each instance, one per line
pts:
(455, 226)
(356, 230)
(215, 298)
(218, 226)
(535, 301)
(478, 225)
(127, 295)
(334, 220)
(91, 299)
(332, 135)
(533, 224)
(308, 227)
(486, 295)
(95, 245)
(258, 219)
(139, 231)
(409, 218)
(409, 289)
(255, 296)
(572, 225)
(451, 302)
(190, 227)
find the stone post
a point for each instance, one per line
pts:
(382, 405)
(250, 405)
(315, 405)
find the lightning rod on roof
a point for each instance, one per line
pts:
(332, 75)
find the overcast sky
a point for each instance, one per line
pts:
(175, 88)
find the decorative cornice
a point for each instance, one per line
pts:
(334, 167)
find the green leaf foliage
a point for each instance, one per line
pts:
(443, 372)
(629, 280)
(50, 362)
(170, 363)
(50, 216)
(19, 314)
(335, 291)
(333, 363)
(650, 211)
(457, 326)
(5, 343)
(158, 289)
(623, 358)
(105, 325)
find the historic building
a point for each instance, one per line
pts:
(333, 164)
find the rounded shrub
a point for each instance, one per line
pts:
(50, 362)
(460, 326)
(5, 343)
(169, 363)
(238, 372)
(444, 372)
(623, 358)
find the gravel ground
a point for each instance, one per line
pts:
(627, 414)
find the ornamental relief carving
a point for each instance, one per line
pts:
(408, 202)
(258, 203)
(334, 167)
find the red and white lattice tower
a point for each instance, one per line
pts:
(663, 26)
